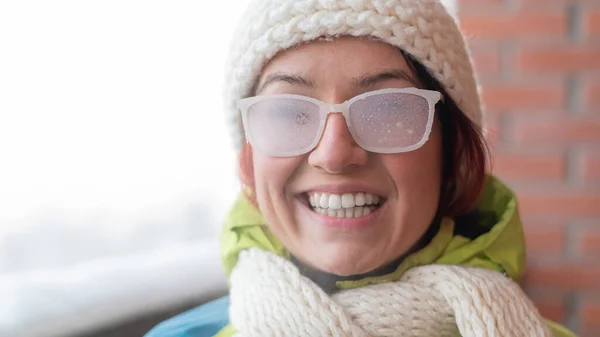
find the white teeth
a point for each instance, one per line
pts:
(335, 201)
(359, 200)
(324, 200)
(358, 212)
(347, 200)
(349, 212)
(355, 212)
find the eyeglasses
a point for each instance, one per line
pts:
(381, 121)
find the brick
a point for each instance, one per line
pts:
(560, 204)
(524, 166)
(567, 58)
(486, 62)
(494, 25)
(550, 301)
(544, 239)
(590, 312)
(591, 22)
(589, 332)
(545, 4)
(586, 129)
(554, 311)
(542, 221)
(592, 95)
(564, 276)
(590, 242)
(536, 3)
(519, 96)
(590, 166)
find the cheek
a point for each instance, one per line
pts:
(417, 174)
(272, 176)
(414, 177)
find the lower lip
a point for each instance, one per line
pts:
(346, 223)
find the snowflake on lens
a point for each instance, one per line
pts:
(302, 118)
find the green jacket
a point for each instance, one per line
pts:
(501, 247)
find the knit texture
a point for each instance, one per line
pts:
(269, 297)
(422, 28)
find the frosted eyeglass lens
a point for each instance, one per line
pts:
(393, 120)
(283, 125)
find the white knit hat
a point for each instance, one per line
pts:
(422, 28)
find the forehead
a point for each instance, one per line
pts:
(338, 59)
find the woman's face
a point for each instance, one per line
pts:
(408, 183)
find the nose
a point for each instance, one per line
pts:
(337, 152)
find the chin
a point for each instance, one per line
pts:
(346, 266)
(349, 270)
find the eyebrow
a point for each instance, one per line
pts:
(370, 80)
(359, 82)
(288, 78)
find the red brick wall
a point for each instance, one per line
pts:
(539, 67)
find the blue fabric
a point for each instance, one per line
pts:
(204, 321)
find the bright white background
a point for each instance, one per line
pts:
(112, 146)
(115, 165)
(111, 129)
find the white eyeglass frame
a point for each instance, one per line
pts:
(432, 98)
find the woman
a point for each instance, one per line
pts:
(366, 208)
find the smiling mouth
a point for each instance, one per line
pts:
(348, 205)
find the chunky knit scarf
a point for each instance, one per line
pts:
(269, 297)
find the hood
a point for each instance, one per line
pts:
(500, 246)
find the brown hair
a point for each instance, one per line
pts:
(465, 152)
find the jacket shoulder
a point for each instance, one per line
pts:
(203, 321)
